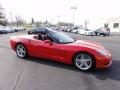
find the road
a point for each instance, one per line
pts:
(37, 74)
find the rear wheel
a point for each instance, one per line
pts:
(84, 61)
(21, 51)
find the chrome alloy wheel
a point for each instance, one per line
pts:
(83, 61)
(21, 51)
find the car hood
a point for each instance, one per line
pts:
(87, 44)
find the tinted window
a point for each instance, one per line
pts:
(40, 30)
(61, 37)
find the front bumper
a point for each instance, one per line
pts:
(103, 62)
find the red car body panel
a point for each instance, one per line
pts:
(62, 52)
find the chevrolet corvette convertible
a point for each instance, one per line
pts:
(53, 45)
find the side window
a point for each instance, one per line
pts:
(40, 36)
(44, 37)
(49, 38)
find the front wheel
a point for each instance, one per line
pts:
(84, 61)
(21, 51)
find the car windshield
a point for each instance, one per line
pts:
(99, 30)
(61, 37)
(87, 29)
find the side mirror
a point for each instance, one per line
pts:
(48, 41)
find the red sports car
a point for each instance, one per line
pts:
(54, 45)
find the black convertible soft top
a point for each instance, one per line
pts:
(38, 30)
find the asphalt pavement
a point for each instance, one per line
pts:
(115, 33)
(39, 74)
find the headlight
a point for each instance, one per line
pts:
(103, 52)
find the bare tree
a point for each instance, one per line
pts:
(3, 21)
(20, 21)
(64, 24)
(32, 21)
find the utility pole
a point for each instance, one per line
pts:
(17, 21)
(73, 8)
(86, 24)
(11, 15)
(32, 21)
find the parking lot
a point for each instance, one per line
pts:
(39, 74)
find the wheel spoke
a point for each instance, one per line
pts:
(19, 53)
(18, 47)
(78, 60)
(87, 60)
(86, 65)
(82, 56)
(22, 54)
(81, 65)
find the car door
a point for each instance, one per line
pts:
(41, 49)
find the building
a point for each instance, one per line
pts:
(112, 23)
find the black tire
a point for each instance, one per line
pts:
(22, 53)
(95, 33)
(91, 63)
(104, 35)
(29, 32)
